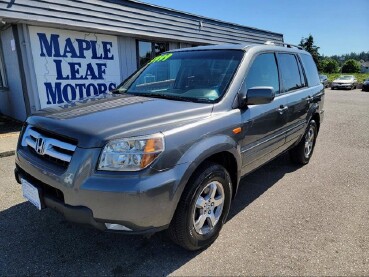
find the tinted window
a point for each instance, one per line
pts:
(290, 72)
(310, 70)
(263, 72)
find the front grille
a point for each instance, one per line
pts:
(48, 146)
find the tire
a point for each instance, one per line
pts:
(302, 152)
(183, 230)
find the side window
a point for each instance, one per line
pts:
(263, 72)
(290, 72)
(310, 70)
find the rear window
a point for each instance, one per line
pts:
(310, 70)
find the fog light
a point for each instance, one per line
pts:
(114, 226)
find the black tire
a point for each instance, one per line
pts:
(299, 153)
(182, 229)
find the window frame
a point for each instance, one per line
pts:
(3, 76)
(152, 50)
(297, 58)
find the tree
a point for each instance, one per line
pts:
(351, 66)
(330, 66)
(308, 45)
(323, 64)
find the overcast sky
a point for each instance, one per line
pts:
(338, 26)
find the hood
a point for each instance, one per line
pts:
(98, 120)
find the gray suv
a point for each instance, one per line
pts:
(167, 148)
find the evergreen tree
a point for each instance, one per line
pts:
(308, 45)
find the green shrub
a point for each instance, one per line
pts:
(351, 66)
(359, 76)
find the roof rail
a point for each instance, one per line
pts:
(288, 45)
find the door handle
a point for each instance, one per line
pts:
(282, 109)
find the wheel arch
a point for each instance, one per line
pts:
(219, 149)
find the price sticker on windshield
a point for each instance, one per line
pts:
(161, 58)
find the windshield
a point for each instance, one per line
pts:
(345, 77)
(198, 76)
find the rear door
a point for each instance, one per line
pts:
(264, 124)
(297, 95)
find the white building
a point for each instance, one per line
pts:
(54, 52)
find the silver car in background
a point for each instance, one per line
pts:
(344, 82)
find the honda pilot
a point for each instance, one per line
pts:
(167, 148)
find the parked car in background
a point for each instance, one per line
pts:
(324, 80)
(365, 85)
(344, 82)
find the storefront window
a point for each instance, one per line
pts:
(149, 50)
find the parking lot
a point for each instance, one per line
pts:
(285, 220)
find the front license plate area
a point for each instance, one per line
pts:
(31, 193)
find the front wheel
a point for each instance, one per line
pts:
(303, 151)
(203, 208)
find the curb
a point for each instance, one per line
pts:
(7, 154)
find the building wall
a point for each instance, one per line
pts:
(365, 68)
(128, 56)
(133, 19)
(12, 99)
(123, 21)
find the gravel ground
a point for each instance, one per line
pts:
(285, 220)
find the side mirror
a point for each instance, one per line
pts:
(257, 96)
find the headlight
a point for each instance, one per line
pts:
(131, 154)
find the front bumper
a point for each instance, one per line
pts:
(344, 86)
(142, 202)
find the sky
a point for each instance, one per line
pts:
(338, 26)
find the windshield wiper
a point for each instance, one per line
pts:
(172, 97)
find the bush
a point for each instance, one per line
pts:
(351, 66)
(329, 66)
(359, 76)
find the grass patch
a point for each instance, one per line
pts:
(359, 76)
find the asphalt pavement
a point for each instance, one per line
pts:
(285, 220)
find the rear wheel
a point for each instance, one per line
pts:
(303, 151)
(203, 208)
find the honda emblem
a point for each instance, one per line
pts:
(40, 146)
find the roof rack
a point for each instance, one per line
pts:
(288, 45)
